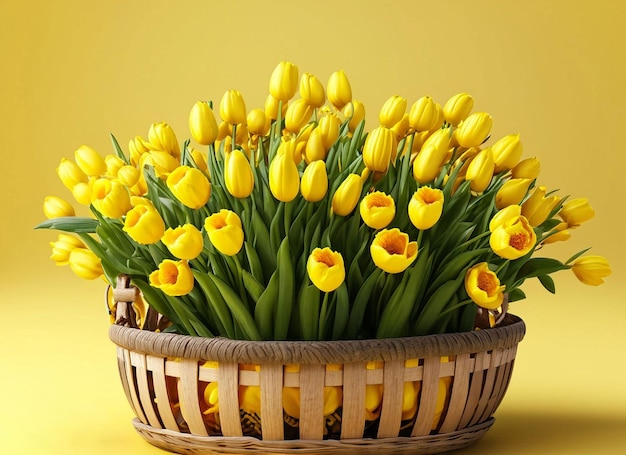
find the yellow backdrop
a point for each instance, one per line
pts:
(73, 71)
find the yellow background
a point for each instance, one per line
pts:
(73, 71)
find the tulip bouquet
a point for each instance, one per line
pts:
(293, 222)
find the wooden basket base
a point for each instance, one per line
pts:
(189, 444)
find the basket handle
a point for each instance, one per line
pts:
(124, 296)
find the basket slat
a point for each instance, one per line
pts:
(130, 378)
(391, 410)
(121, 364)
(157, 366)
(141, 371)
(228, 395)
(476, 384)
(312, 401)
(353, 417)
(272, 401)
(428, 397)
(460, 386)
(188, 394)
(490, 379)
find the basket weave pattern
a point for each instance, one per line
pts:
(165, 376)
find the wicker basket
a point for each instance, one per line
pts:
(416, 395)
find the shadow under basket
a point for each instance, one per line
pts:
(417, 395)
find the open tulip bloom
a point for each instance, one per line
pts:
(292, 221)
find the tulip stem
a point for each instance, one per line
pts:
(322, 320)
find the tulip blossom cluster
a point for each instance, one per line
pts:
(292, 220)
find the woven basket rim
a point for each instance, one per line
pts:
(507, 334)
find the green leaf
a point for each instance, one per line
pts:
(266, 306)
(118, 149)
(547, 282)
(435, 306)
(215, 300)
(540, 266)
(360, 303)
(285, 291)
(342, 312)
(70, 224)
(309, 311)
(577, 255)
(516, 294)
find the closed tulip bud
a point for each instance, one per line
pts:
(162, 137)
(526, 169)
(591, 270)
(70, 174)
(225, 232)
(329, 129)
(377, 209)
(184, 242)
(128, 175)
(392, 252)
(507, 152)
(480, 171)
(137, 147)
(483, 287)
(62, 248)
(378, 148)
(312, 90)
(202, 123)
(474, 129)
(190, 186)
(233, 108)
(55, 207)
(426, 207)
(257, 122)
(284, 179)
(284, 81)
(513, 238)
(576, 211)
(298, 114)
(428, 162)
(512, 192)
(458, 108)
(392, 111)
(110, 198)
(174, 278)
(144, 224)
(271, 107)
(238, 174)
(314, 183)
(163, 163)
(355, 111)
(338, 89)
(423, 115)
(90, 161)
(325, 268)
(82, 193)
(347, 196)
(314, 149)
(537, 207)
(85, 264)
(561, 233)
(113, 163)
(400, 130)
(223, 131)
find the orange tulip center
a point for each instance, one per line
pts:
(325, 257)
(393, 245)
(428, 197)
(487, 283)
(219, 223)
(169, 275)
(378, 200)
(518, 240)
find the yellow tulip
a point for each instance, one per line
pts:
(257, 122)
(347, 196)
(233, 107)
(537, 207)
(284, 81)
(163, 162)
(591, 270)
(82, 193)
(377, 209)
(423, 115)
(400, 130)
(474, 129)
(314, 149)
(85, 264)
(576, 211)
(507, 152)
(504, 215)
(128, 175)
(211, 398)
(457, 108)
(329, 129)
(314, 183)
(190, 186)
(202, 123)
(392, 111)
(391, 250)
(70, 174)
(526, 169)
(200, 159)
(55, 207)
(480, 171)
(483, 287)
(561, 234)
(512, 192)
(238, 174)
(110, 198)
(90, 161)
(144, 224)
(174, 278)
(428, 162)
(325, 268)
(271, 107)
(379, 145)
(62, 248)
(312, 90)
(355, 111)
(225, 231)
(425, 207)
(162, 137)
(113, 164)
(284, 179)
(184, 242)
(513, 239)
(250, 399)
(298, 114)
(338, 89)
